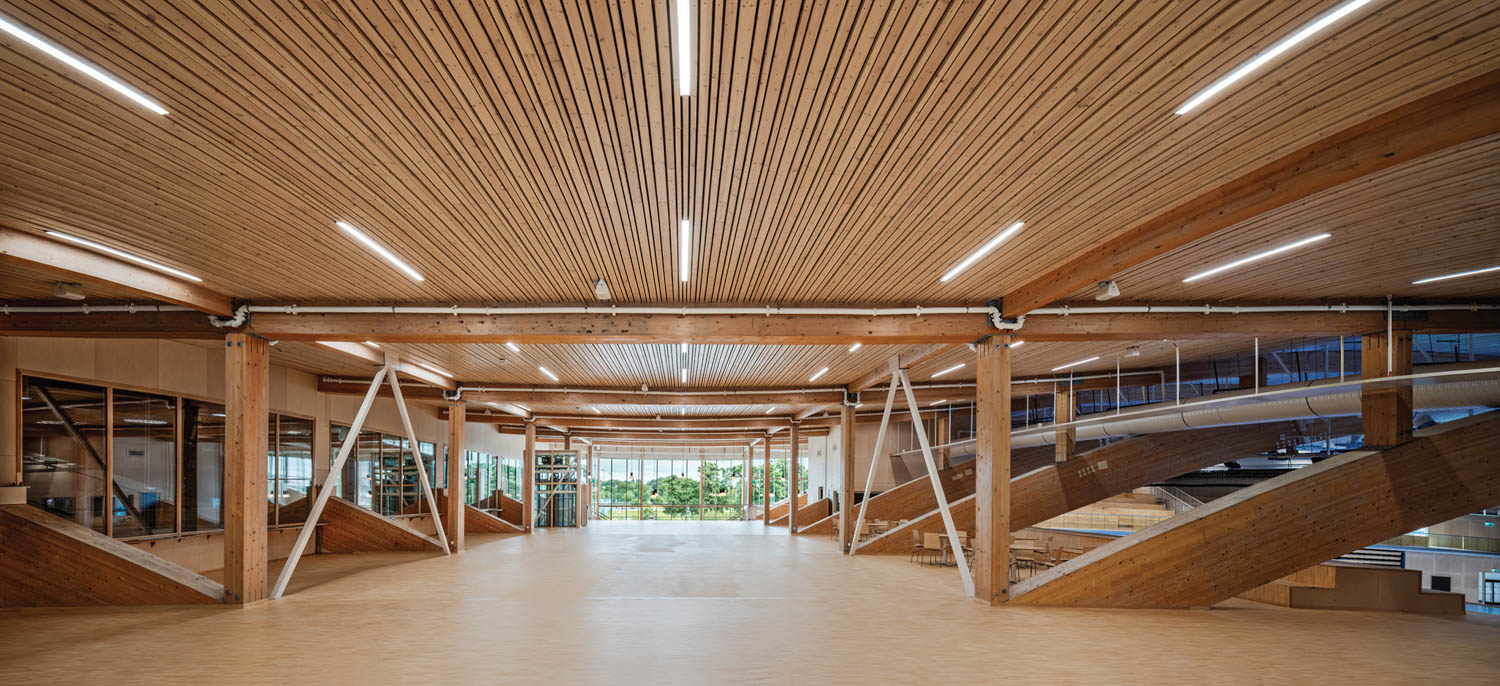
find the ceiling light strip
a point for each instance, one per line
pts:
(66, 58)
(1260, 60)
(1459, 275)
(982, 251)
(1257, 257)
(1075, 364)
(380, 250)
(124, 255)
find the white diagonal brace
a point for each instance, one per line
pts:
(885, 420)
(937, 485)
(326, 490)
(416, 453)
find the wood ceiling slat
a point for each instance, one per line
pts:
(831, 153)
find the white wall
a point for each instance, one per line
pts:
(1464, 568)
(171, 367)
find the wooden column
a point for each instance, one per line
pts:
(940, 437)
(1062, 411)
(247, 366)
(455, 506)
(846, 484)
(1386, 411)
(765, 486)
(528, 476)
(992, 474)
(746, 498)
(567, 441)
(792, 477)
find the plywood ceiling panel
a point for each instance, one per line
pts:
(830, 153)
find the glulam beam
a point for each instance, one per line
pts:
(71, 262)
(1449, 117)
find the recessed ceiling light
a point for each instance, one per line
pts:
(682, 411)
(1260, 60)
(1459, 275)
(548, 372)
(982, 251)
(1256, 257)
(820, 373)
(60, 55)
(378, 249)
(855, 347)
(684, 49)
(684, 250)
(433, 369)
(513, 347)
(954, 368)
(684, 346)
(1075, 364)
(124, 255)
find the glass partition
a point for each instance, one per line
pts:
(202, 466)
(63, 449)
(145, 464)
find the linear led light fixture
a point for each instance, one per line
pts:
(124, 255)
(855, 347)
(372, 344)
(513, 347)
(820, 373)
(684, 346)
(548, 372)
(982, 251)
(1016, 344)
(772, 409)
(684, 250)
(1260, 60)
(379, 250)
(683, 375)
(1257, 257)
(596, 410)
(1075, 364)
(954, 368)
(433, 369)
(62, 56)
(937, 402)
(684, 48)
(1459, 275)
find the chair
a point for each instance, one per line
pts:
(931, 544)
(916, 545)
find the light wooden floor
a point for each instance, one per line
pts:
(701, 603)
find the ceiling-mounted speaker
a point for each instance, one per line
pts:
(601, 289)
(1107, 290)
(68, 291)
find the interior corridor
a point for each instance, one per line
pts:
(706, 602)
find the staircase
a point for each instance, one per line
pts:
(1285, 525)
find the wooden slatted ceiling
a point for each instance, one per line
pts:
(830, 153)
(1436, 215)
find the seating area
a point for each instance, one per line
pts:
(1126, 512)
(1031, 550)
